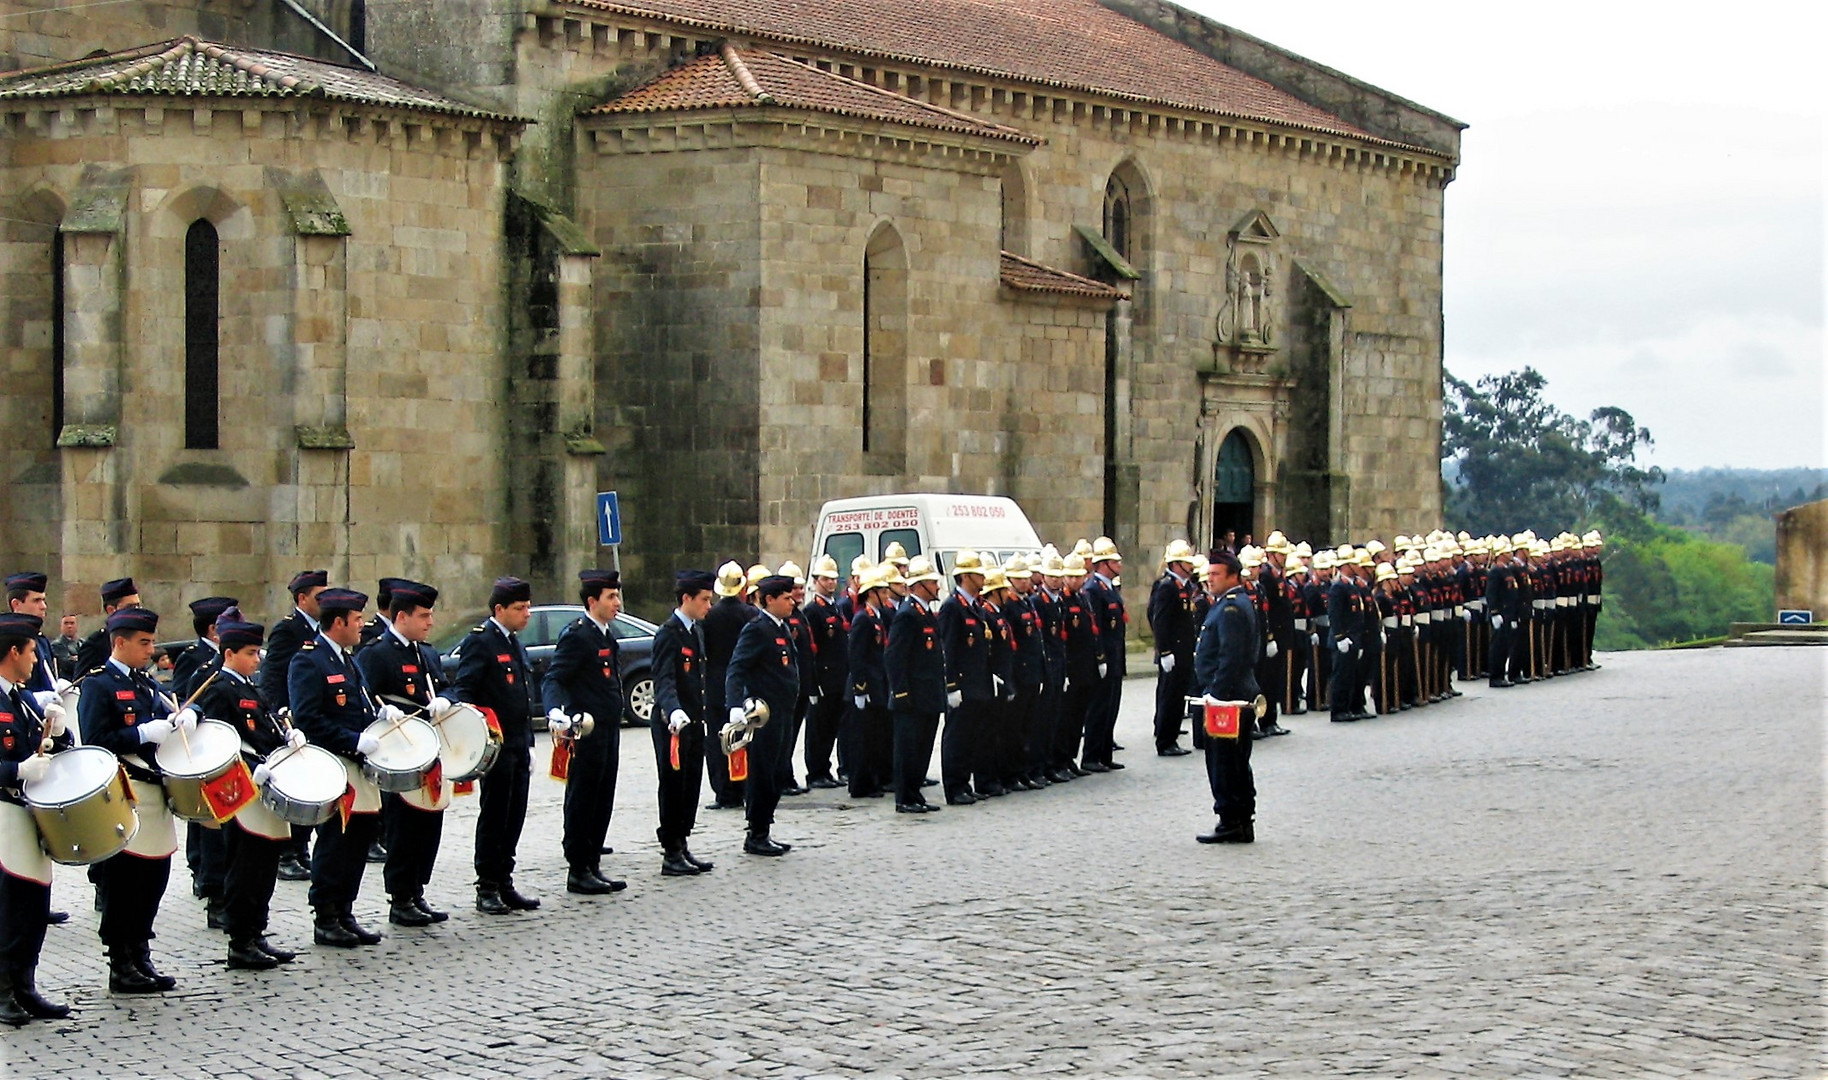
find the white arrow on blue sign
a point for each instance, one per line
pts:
(1795, 618)
(609, 519)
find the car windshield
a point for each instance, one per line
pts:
(543, 628)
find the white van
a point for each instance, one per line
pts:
(937, 526)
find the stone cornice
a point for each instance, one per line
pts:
(104, 115)
(795, 129)
(583, 29)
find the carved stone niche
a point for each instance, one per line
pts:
(1244, 334)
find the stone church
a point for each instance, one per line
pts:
(397, 286)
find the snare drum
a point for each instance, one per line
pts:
(192, 759)
(405, 757)
(82, 808)
(467, 745)
(305, 784)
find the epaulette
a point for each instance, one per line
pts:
(95, 670)
(478, 628)
(307, 646)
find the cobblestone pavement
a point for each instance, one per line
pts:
(1615, 874)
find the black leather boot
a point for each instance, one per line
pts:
(674, 864)
(25, 993)
(428, 910)
(125, 976)
(403, 912)
(162, 981)
(246, 955)
(512, 897)
(328, 929)
(362, 935)
(489, 901)
(10, 1011)
(284, 956)
(685, 852)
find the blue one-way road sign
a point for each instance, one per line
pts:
(609, 519)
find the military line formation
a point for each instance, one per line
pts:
(352, 731)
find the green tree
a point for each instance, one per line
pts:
(1516, 461)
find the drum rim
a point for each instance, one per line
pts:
(87, 752)
(214, 770)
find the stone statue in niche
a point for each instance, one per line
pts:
(1245, 328)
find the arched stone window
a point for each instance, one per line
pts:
(358, 26)
(202, 335)
(1234, 488)
(1014, 236)
(885, 350)
(1118, 217)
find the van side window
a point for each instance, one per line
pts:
(908, 538)
(843, 547)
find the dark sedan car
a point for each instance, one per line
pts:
(634, 641)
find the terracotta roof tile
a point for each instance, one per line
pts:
(189, 67)
(1077, 44)
(750, 78)
(1028, 275)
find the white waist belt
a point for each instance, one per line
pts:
(1390, 622)
(1421, 617)
(1409, 620)
(1301, 624)
(1459, 611)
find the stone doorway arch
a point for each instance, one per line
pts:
(1234, 488)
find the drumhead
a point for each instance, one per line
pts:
(408, 748)
(74, 774)
(202, 751)
(463, 737)
(310, 774)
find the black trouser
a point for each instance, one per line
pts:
(913, 749)
(247, 888)
(1342, 695)
(501, 811)
(25, 911)
(134, 887)
(725, 791)
(822, 734)
(1520, 635)
(1498, 659)
(1075, 702)
(340, 859)
(678, 787)
(1234, 789)
(1171, 701)
(958, 747)
(1368, 661)
(770, 758)
(1269, 672)
(206, 853)
(1101, 718)
(1297, 657)
(301, 842)
(872, 750)
(590, 794)
(784, 763)
(412, 836)
(1012, 759)
(1320, 673)
(1043, 718)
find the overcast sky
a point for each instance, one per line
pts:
(1639, 209)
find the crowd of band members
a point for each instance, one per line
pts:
(1016, 672)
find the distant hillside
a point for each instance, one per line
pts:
(1736, 505)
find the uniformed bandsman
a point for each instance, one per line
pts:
(582, 695)
(121, 711)
(919, 687)
(723, 626)
(25, 871)
(204, 852)
(98, 647)
(872, 743)
(1345, 609)
(1026, 768)
(283, 641)
(829, 629)
(805, 657)
(996, 758)
(255, 837)
(1225, 663)
(678, 723)
(965, 639)
(331, 703)
(765, 667)
(493, 675)
(25, 596)
(399, 668)
(1171, 603)
(1105, 603)
(1085, 666)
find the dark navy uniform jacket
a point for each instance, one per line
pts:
(723, 625)
(190, 667)
(915, 661)
(1171, 617)
(393, 667)
(830, 628)
(93, 654)
(113, 705)
(585, 675)
(765, 666)
(1053, 636)
(44, 669)
(492, 673)
(1002, 648)
(1083, 651)
(237, 702)
(865, 649)
(330, 702)
(1225, 661)
(1025, 641)
(1345, 608)
(1106, 606)
(805, 654)
(680, 668)
(21, 730)
(283, 642)
(965, 632)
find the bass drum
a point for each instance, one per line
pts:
(82, 807)
(467, 744)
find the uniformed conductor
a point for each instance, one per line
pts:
(1224, 667)
(765, 666)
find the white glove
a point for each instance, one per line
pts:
(677, 720)
(954, 699)
(368, 743)
(154, 731)
(812, 699)
(558, 723)
(262, 774)
(438, 706)
(43, 698)
(1271, 650)
(1313, 641)
(736, 714)
(60, 685)
(1103, 669)
(861, 701)
(1345, 645)
(53, 719)
(1382, 639)
(32, 769)
(295, 739)
(389, 714)
(1497, 622)
(1167, 661)
(996, 686)
(186, 719)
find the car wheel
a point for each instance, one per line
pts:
(641, 700)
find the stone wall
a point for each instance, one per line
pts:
(34, 33)
(1802, 559)
(387, 336)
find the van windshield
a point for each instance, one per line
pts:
(909, 539)
(843, 548)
